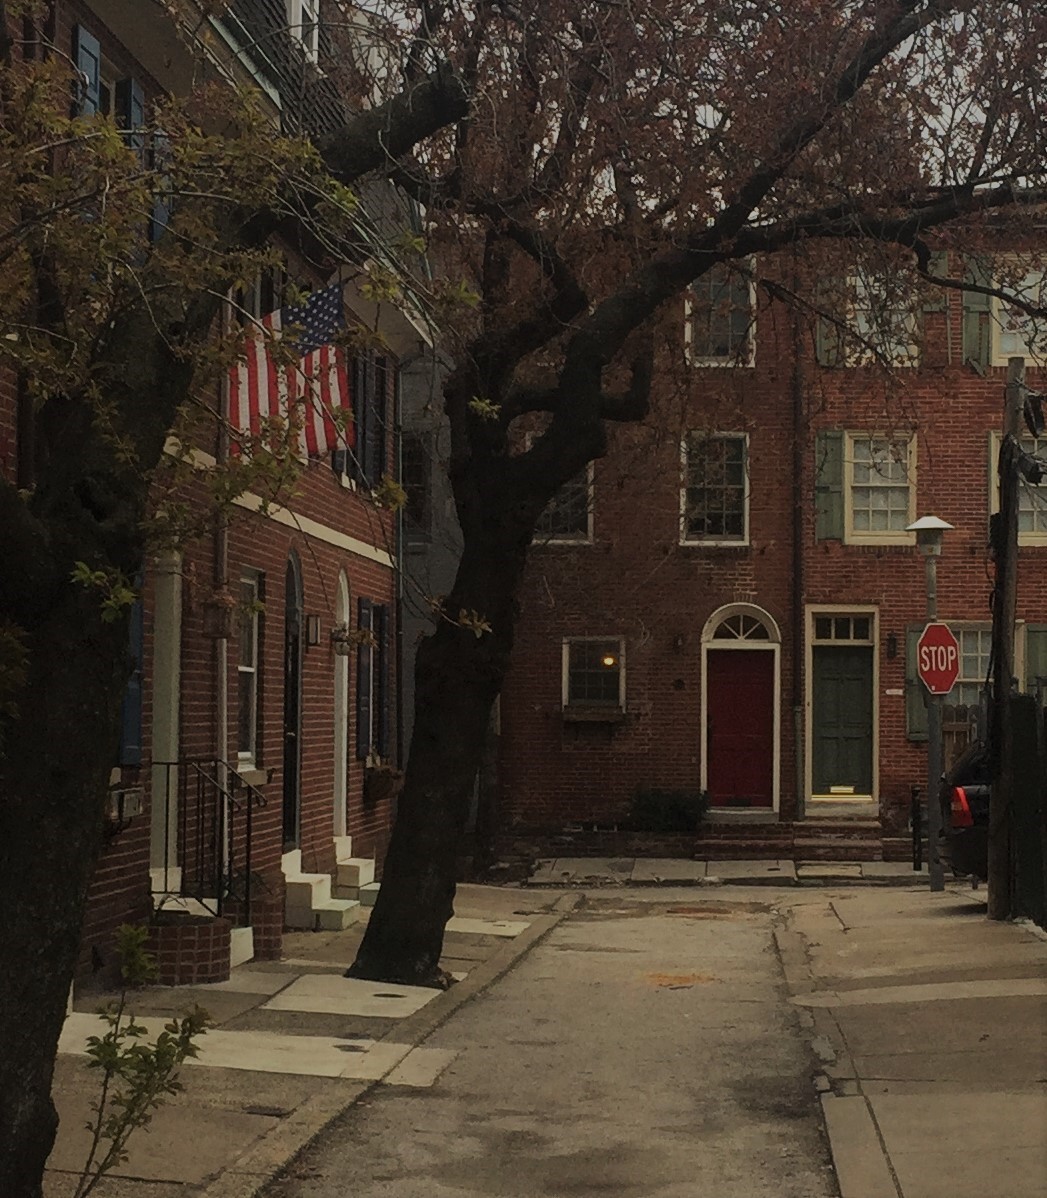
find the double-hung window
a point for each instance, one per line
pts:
(715, 492)
(719, 328)
(593, 673)
(568, 515)
(879, 488)
(1017, 334)
(303, 21)
(1032, 497)
(869, 317)
(247, 670)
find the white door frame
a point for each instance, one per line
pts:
(341, 714)
(773, 645)
(839, 609)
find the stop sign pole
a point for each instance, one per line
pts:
(929, 530)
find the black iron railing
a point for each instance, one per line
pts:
(209, 812)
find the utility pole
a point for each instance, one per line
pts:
(1005, 605)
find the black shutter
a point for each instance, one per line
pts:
(87, 54)
(130, 114)
(377, 451)
(363, 682)
(131, 708)
(381, 674)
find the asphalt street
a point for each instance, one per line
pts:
(645, 1048)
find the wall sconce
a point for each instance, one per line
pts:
(340, 640)
(892, 645)
(312, 630)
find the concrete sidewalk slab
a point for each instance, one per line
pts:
(487, 927)
(747, 871)
(667, 870)
(935, 1016)
(334, 995)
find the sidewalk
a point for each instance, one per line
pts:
(294, 1045)
(658, 871)
(930, 1024)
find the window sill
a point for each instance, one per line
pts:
(690, 543)
(593, 715)
(874, 542)
(252, 775)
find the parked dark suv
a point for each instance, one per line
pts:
(964, 798)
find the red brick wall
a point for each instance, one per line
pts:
(636, 581)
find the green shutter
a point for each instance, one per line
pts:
(828, 486)
(130, 115)
(977, 315)
(87, 54)
(1036, 660)
(915, 704)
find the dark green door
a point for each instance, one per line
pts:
(842, 734)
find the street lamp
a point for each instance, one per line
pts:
(929, 531)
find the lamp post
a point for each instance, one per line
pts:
(929, 530)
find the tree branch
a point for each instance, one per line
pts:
(377, 138)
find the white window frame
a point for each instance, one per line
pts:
(252, 581)
(746, 360)
(854, 536)
(1032, 537)
(713, 542)
(303, 21)
(1035, 351)
(565, 690)
(899, 352)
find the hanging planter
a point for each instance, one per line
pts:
(218, 614)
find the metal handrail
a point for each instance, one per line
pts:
(208, 811)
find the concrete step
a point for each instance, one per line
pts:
(343, 848)
(241, 946)
(332, 915)
(749, 848)
(369, 893)
(308, 890)
(357, 871)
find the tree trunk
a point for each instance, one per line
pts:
(53, 778)
(458, 674)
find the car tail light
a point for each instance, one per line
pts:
(961, 809)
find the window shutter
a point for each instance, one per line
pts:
(376, 427)
(915, 704)
(87, 54)
(977, 315)
(163, 202)
(1036, 660)
(381, 673)
(828, 486)
(130, 114)
(363, 682)
(131, 708)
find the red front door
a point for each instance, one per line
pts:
(740, 727)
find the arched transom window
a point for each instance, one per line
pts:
(741, 627)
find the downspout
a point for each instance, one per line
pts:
(221, 650)
(800, 433)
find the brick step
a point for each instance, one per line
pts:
(819, 849)
(744, 849)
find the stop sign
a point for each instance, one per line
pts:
(938, 658)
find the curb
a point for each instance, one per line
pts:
(263, 1163)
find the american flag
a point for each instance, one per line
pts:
(304, 393)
